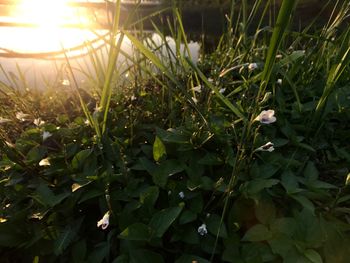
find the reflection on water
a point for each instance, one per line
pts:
(38, 48)
(45, 69)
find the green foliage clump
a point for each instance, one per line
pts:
(241, 157)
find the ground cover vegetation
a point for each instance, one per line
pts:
(241, 157)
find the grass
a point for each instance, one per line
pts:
(178, 154)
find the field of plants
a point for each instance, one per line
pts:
(241, 157)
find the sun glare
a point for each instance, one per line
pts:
(49, 20)
(44, 13)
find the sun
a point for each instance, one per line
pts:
(49, 20)
(44, 13)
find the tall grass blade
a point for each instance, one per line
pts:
(233, 108)
(283, 20)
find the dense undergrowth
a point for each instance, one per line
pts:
(242, 157)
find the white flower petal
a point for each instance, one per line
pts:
(46, 135)
(38, 122)
(104, 222)
(65, 82)
(182, 195)
(252, 66)
(202, 230)
(44, 162)
(197, 89)
(268, 147)
(266, 117)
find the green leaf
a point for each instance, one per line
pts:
(165, 170)
(174, 135)
(265, 211)
(313, 256)
(305, 202)
(163, 219)
(121, 259)
(284, 225)
(80, 158)
(145, 256)
(36, 154)
(158, 149)
(213, 224)
(257, 233)
(66, 237)
(79, 250)
(257, 185)
(47, 198)
(290, 182)
(149, 196)
(137, 231)
(187, 216)
(211, 159)
(310, 172)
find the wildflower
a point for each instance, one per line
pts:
(194, 100)
(252, 66)
(202, 230)
(38, 122)
(279, 81)
(222, 90)
(210, 80)
(65, 82)
(104, 222)
(87, 122)
(46, 135)
(182, 195)
(22, 116)
(45, 162)
(266, 117)
(4, 120)
(197, 89)
(268, 147)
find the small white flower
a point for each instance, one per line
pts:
(197, 89)
(252, 66)
(4, 120)
(210, 80)
(182, 195)
(268, 147)
(202, 230)
(133, 97)
(22, 116)
(222, 90)
(45, 162)
(266, 117)
(279, 81)
(104, 222)
(279, 56)
(65, 82)
(194, 100)
(87, 122)
(46, 135)
(38, 122)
